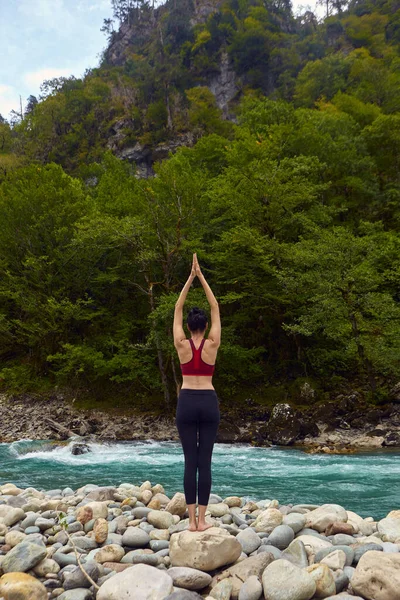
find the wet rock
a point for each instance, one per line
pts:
(80, 448)
(284, 425)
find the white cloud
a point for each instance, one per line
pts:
(9, 100)
(90, 5)
(47, 14)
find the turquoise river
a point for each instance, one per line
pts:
(367, 482)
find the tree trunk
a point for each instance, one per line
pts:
(161, 365)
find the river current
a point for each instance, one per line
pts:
(367, 483)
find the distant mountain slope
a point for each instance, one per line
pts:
(171, 74)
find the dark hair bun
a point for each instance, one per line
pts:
(197, 320)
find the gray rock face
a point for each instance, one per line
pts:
(224, 85)
(23, 557)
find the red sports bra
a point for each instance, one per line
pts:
(197, 366)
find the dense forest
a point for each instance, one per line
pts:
(288, 189)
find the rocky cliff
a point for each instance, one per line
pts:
(145, 30)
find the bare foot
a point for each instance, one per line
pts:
(203, 526)
(192, 528)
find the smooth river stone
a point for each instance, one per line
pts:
(324, 552)
(98, 510)
(251, 589)
(110, 553)
(389, 529)
(249, 540)
(312, 544)
(222, 591)
(233, 501)
(177, 505)
(281, 537)
(204, 550)
(161, 519)
(134, 537)
(11, 515)
(77, 579)
(341, 580)
(334, 560)
(295, 520)
(140, 582)
(14, 537)
(296, 554)
(76, 594)
(23, 557)
(21, 586)
(325, 515)
(342, 539)
(359, 551)
(10, 489)
(267, 520)
(157, 545)
(100, 529)
(284, 581)
(360, 525)
(218, 509)
(185, 595)
(241, 571)
(323, 580)
(45, 567)
(188, 578)
(377, 576)
(138, 558)
(85, 543)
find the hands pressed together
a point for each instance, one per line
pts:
(196, 271)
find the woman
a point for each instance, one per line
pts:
(198, 405)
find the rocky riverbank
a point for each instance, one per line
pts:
(346, 424)
(132, 542)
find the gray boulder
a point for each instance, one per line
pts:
(23, 557)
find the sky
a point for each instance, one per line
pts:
(42, 39)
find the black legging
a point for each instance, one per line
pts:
(197, 411)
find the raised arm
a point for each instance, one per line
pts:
(215, 331)
(178, 331)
